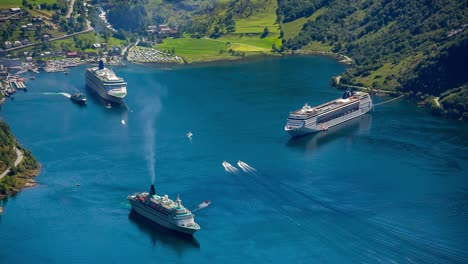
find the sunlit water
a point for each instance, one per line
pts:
(388, 187)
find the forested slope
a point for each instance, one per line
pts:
(414, 46)
(19, 176)
(417, 45)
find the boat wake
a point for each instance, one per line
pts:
(246, 167)
(229, 168)
(202, 205)
(326, 213)
(189, 136)
(67, 95)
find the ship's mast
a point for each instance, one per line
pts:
(178, 201)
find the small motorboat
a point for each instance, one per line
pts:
(78, 98)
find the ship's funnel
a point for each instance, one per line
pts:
(101, 65)
(152, 191)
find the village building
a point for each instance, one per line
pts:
(115, 51)
(37, 19)
(72, 54)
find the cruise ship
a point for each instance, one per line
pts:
(106, 84)
(313, 119)
(163, 211)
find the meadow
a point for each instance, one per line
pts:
(19, 3)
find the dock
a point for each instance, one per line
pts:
(19, 84)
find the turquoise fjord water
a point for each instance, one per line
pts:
(389, 187)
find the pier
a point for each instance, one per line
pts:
(18, 84)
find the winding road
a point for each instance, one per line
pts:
(70, 9)
(19, 158)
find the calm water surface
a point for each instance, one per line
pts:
(389, 187)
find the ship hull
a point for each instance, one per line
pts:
(309, 128)
(98, 88)
(158, 218)
(79, 101)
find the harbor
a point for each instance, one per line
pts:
(13, 72)
(352, 212)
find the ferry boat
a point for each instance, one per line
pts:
(319, 118)
(78, 98)
(106, 83)
(164, 211)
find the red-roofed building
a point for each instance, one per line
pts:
(72, 54)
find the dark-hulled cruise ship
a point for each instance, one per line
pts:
(313, 119)
(106, 83)
(164, 211)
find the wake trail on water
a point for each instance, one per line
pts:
(246, 167)
(202, 205)
(284, 200)
(67, 95)
(229, 168)
(416, 246)
(264, 191)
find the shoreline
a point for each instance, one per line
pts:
(340, 58)
(29, 182)
(214, 61)
(19, 173)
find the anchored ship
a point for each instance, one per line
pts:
(313, 119)
(164, 211)
(106, 83)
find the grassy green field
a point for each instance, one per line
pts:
(205, 50)
(43, 13)
(69, 43)
(10, 3)
(257, 23)
(246, 39)
(38, 2)
(317, 46)
(18, 3)
(196, 50)
(264, 16)
(388, 69)
(262, 44)
(291, 29)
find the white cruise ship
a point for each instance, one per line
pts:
(106, 84)
(313, 119)
(164, 211)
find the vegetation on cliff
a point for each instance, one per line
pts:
(417, 46)
(19, 176)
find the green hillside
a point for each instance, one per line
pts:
(416, 47)
(19, 176)
(210, 30)
(409, 46)
(7, 144)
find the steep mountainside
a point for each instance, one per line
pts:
(7, 144)
(416, 45)
(19, 176)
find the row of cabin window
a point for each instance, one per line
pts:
(337, 115)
